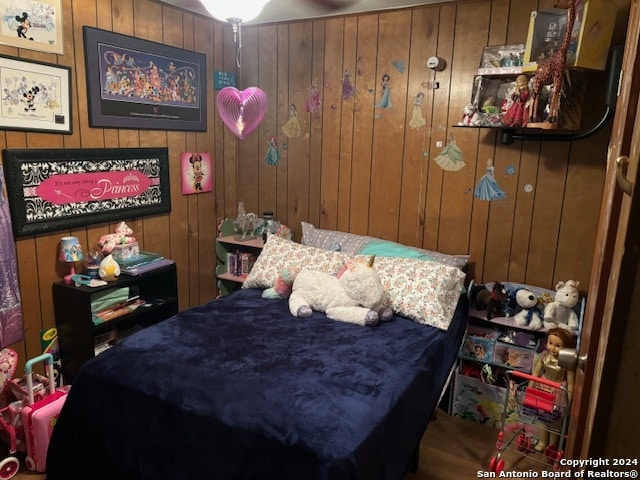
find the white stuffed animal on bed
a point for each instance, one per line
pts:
(560, 312)
(355, 295)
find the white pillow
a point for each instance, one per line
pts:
(332, 239)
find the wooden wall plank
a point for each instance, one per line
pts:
(350, 57)
(229, 155)
(364, 77)
(285, 112)
(547, 213)
(415, 169)
(252, 144)
(315, 125)
(388, 130)
(334, 68)
(199, 36)
(269, 127)
(439, 127)
(300, 49)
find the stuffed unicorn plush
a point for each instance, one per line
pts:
(355, 295)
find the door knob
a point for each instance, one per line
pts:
(625, 185)
(569, 359)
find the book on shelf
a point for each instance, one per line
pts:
(146, 267)
(117, 310)
(143, 258)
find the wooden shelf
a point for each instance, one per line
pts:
(231, 242)
(255, 242)
(77, 334)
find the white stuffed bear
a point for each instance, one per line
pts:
(560, 313)
(529, 315)
(355, 295)
(470, 116)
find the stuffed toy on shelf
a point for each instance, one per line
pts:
(560, 312)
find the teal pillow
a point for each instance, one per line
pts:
(384, 248)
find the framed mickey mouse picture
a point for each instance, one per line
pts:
(35, 25)
(35, 96)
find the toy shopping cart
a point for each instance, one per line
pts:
(534, 420)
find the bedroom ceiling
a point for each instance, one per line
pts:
(286, 10)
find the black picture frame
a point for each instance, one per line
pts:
(135, 83)
(36, 96)
(59, 189)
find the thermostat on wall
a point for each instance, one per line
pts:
(436, 63)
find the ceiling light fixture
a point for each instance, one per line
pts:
(235, 12)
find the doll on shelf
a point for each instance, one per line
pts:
(546, 366)
(517, 114)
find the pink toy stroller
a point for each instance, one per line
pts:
(22, 396)
(10, 415)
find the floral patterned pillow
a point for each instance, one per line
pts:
(423, 290)
(279, 253)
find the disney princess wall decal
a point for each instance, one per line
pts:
(348, 90)
(292, 128)
(313, 102)
(487, 187)
(385, 99)
(273, 154)
(450, 159)
(417, 118)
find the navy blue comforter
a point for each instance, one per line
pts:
(239, 389)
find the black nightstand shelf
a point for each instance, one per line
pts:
(80, 339)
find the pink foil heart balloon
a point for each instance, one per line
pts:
(241, 111)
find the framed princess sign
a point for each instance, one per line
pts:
(52, 190)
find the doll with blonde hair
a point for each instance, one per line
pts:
(546, 366)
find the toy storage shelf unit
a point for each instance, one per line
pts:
(493, 347)
(81, 337)
(235, 257)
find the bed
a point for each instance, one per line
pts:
(239, 389)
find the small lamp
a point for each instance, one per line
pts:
(70, 252)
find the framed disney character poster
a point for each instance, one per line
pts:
(32, 24)
(35, 96)
(136, 83)
(197, 172)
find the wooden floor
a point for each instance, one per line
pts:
(452, 449)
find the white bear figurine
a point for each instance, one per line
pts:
(355, 295)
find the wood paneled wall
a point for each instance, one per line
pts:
(355, 167)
